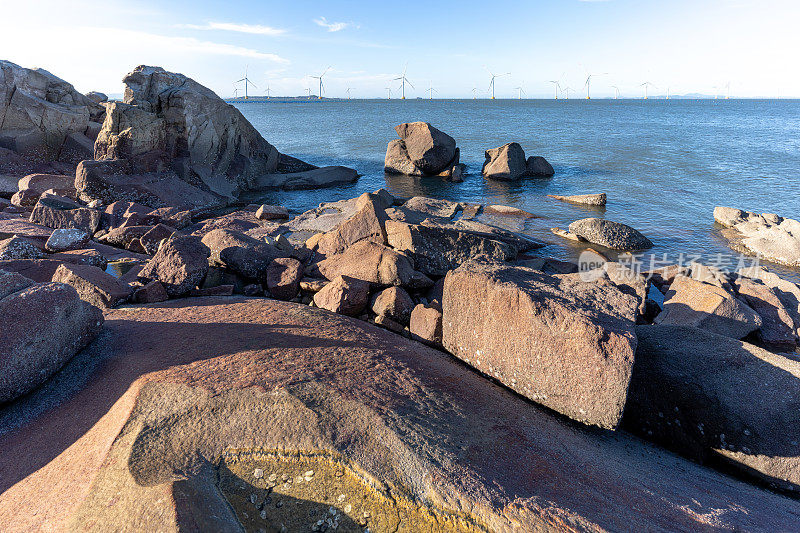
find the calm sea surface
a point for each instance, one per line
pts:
(664, 164)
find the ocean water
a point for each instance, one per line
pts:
(664, 164)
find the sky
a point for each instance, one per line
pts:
(684, 46)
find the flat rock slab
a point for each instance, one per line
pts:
(220, 388)
(561, 342)
(585, 199)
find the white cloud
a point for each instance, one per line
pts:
(255, 29)
(333, 26)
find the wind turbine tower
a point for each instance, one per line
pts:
(247, 82)
(474, 93)
(389, 93)
(556, 87)
(308, 92)
(727, 90)
(403, 81)
(567, 89)
(616, 92)
(268, 91)
(494, 76)
(348, 92)
(321, 85)
(520, 90)
(646, 85)
(589, 83)
(431, 90)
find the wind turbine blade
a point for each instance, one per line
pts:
(412, 85)
(253, 84)
(240, 81)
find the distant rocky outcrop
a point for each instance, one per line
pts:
(508, 163)
(771, 236)
(422, 150)
(43, 119)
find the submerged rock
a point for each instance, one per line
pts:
(566, 344)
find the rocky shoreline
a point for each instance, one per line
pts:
(176, 358)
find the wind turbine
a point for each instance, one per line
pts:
(431, 90)
(268, 90)
(646, 85)
(348, 92)
(716, 92)
(308, 92)
(404, 80)
(474, 93)
(235, 91)
(321, 85)
(616, 92)
(556, 87)
(389, 97)
(246, 81)
(520, 90)
(667, 93)
(589, 82)
(727, 90)
(567, 89)
(491, 83)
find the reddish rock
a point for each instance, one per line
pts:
(370, 262)
(390, 324)
(127, 237)
(39, 270)
(561, 342)
(504, 163)
(777, 330)
(151, 239)
(709, 307)
(44, 326)
(241, 253)
(180, 264)
(151, 292)
(218, 290)
(312, 285)
(394, 303)
(59, 212)
(343, 295)
(272, 212)
(93, 285)
(11, 282)
(19, 248)
(182, 387)
(32, 186)
(426, 324)
(366, 224)
(283, 278)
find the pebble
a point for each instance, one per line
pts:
(258, 473)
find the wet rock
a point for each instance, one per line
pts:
(421, 150)
(180, 265)
(19, 248)
(371, 262)
(504, 163)
(709, 396)
(537, 166)
(283, 278)
(93, 285)
(58, 212)
(44, 326)
(426, 324)
(610, 234)
(777, 331)
(702, 305)
(566, 344)
(151, 292)
(394, 303)
(437, 250)
(343, 295)
(272, 212)
(309, 179)
(730, 216)
(62, 240)
(241, 253)
(584, 199)
(507, 211)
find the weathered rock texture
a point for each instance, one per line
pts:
(773, 237)
(508, 163)
(44, 326)
(178, 408)
(180, 265)
(422, 150)
(708, 396)
(561, 342)
(584, 199)
(43, 117)
(610, 234)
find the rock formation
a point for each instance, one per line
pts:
(508, 163)
(773, 237)
(421, 150)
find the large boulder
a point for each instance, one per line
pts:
(180, 265)
(19, 248)
(436, 250)
(394, 303)
(423, 150)
(689, 302)
(371, 262)
(283, 278)
(95, 286)
(777, 331)
(710, 396)
(343, 295)
(58, 212)
(240, 253)
(610, 234)
(556, 340)
(788, 293)
(130, 132)
(768, 235)
(31, 187)
(505, 163)
(44, 326)
(196, 414)
(368, 223)
(204, 139)
(43, 117)
(538, 167)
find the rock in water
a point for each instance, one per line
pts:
(610, 234)
(706, 395)
(203, 138)
(44, 117)
(504, 163)
(566, 344)
(218, 388)
(44, 326)
(585, 199)
(180, 265)
(693, 303)
(422, 150)
(538, 167)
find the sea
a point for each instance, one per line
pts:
(664, 164)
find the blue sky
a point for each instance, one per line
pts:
(686, 46)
